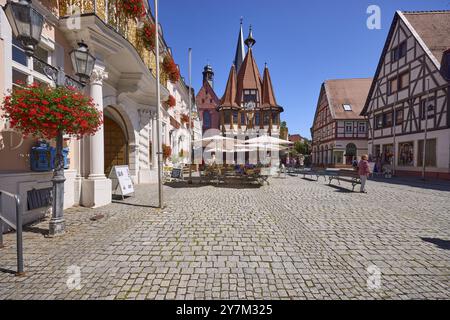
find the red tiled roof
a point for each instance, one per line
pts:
(268, 97)
(347, 91)
(229, 97)
(433, 27)
(248, 77)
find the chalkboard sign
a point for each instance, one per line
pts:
(177, 174)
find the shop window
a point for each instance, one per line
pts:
(388, 153)
(406, 154)
(430, 154)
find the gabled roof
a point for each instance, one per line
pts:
(267, 97)
(207, 88)
(229, 97)
(248, 76)
(431, 30)
(351, 92)
(433, 27)
(344, 91)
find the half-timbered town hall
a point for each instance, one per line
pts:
(248, 105)
(408, 102)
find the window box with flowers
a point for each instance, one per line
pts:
(170, 68)
(130, 9)
(184, 118)
(148, 34)
(171, 102)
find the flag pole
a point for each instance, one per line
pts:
(158, 106)
(190, 117)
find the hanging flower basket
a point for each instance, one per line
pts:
(43, 111)
(171, 102)
(148, 34)
(170, 68)
(130, 9)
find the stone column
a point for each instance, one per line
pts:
(154, 142)
(144, 146)
(96, 190)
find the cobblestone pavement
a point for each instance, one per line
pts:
(294, 239)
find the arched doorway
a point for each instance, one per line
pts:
(116, 145)
(350, 153)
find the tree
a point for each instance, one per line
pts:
(283, 130)
(302, 147)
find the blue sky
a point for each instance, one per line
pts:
(303, 42)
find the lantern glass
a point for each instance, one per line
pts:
(26, 23)
(83, 62)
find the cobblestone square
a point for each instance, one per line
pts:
(294, 239)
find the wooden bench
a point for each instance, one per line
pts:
(346, 176)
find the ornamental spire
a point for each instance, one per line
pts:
(240, 50)
(250, 42)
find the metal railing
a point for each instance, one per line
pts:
(17, 227)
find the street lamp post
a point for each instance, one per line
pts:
(26, 24)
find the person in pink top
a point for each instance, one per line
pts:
(364, 172)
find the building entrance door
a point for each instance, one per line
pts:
(116, 145)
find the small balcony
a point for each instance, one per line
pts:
(105, 10)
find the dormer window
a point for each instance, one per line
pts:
(347, 107)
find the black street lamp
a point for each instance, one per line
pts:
(27, 23)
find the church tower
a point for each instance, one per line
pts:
(208, 75)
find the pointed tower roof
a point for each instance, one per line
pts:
(229, 97)
(248, 76)
(240, 50)
(268, 96)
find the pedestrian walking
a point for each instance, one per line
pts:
(364, 172)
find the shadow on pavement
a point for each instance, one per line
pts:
(341, 189)
(439, 185)
(442, 244)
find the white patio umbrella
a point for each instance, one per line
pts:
(216, 139)
(268, 140)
